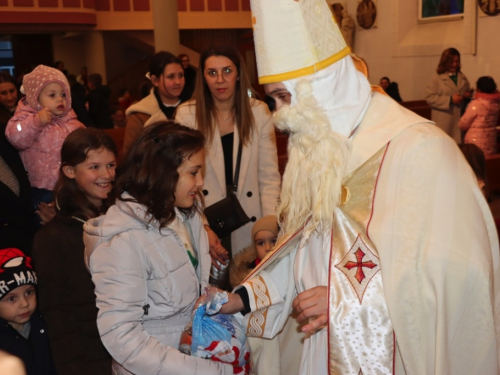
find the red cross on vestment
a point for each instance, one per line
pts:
(359, 264)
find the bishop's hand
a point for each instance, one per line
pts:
(312, 304)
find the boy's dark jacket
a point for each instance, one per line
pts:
(34, 351)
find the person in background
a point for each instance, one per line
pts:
(481, 116)
(226, 114)
(59, 65)
(125, 100)
(99, 102)
(82, 78)
(390, 88)
(79, 101)
(446, 92)
(264, 235)
(65, 289)
(42, 121)
(148, 255)
(23, 332)
(118, 116)
(189, 77)
(167, 77)
(17, 216)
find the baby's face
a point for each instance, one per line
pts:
(53, 97)
(264, 242)
(17, 306)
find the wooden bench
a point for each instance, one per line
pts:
(420, 107)
(493, 172)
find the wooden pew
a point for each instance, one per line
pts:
(420, 107)
(493, 172)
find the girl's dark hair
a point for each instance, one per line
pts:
(486, 84)
(205, 108)
(70, 199)
(160, 61)
(447, 59)
(6, 77)
(149, 172)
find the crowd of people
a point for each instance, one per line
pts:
(375, 252)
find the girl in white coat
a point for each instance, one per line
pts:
(226, 114)
(149, 255)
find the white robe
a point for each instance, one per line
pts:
(438, 250)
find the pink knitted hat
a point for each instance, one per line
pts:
(40, 77)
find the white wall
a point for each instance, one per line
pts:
(413, 73)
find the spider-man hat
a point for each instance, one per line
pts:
(15, 271)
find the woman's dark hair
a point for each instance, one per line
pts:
(205, 108)
(447, 59)
(386, 78)
(149, 172)
(160, 61)
(70, 198)
(6, 77)
(486, 84)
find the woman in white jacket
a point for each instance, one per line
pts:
(148, 255)
(226, 114)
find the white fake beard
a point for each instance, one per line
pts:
(317, 161)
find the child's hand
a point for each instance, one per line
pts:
(46, 212)
(45, 116)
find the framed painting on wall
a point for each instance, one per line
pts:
(440, 10)
(488, 7)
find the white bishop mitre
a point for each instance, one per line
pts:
(299, 40)
(294, 38)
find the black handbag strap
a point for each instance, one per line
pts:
(237, 170)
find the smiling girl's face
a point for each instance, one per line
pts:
(190, 180)
(95, 175)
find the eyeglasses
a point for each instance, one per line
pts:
(226, 73)
(185, 60)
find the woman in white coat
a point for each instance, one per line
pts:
(225, 114)
(446, 92)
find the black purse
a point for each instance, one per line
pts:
(227, 215)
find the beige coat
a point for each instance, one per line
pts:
(259, 181)
(439, 91)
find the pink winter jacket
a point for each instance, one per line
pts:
(480, 120)
(40, 145)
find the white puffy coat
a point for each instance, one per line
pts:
(133, 265)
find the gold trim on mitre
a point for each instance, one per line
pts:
(294, 38)
(307, 70)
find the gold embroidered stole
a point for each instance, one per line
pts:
(361, 337)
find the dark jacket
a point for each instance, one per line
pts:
(78, 101)
(34, 351)
(100, 107)
(17, 214)
(66, 299)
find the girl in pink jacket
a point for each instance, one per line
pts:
(42, 121)
(480, 119)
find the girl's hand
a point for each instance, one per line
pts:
(46, 212)
(45, 116)
(217, 251)
(312, 303)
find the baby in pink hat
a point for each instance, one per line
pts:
(43, 119)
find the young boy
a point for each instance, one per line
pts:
(22, 329)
